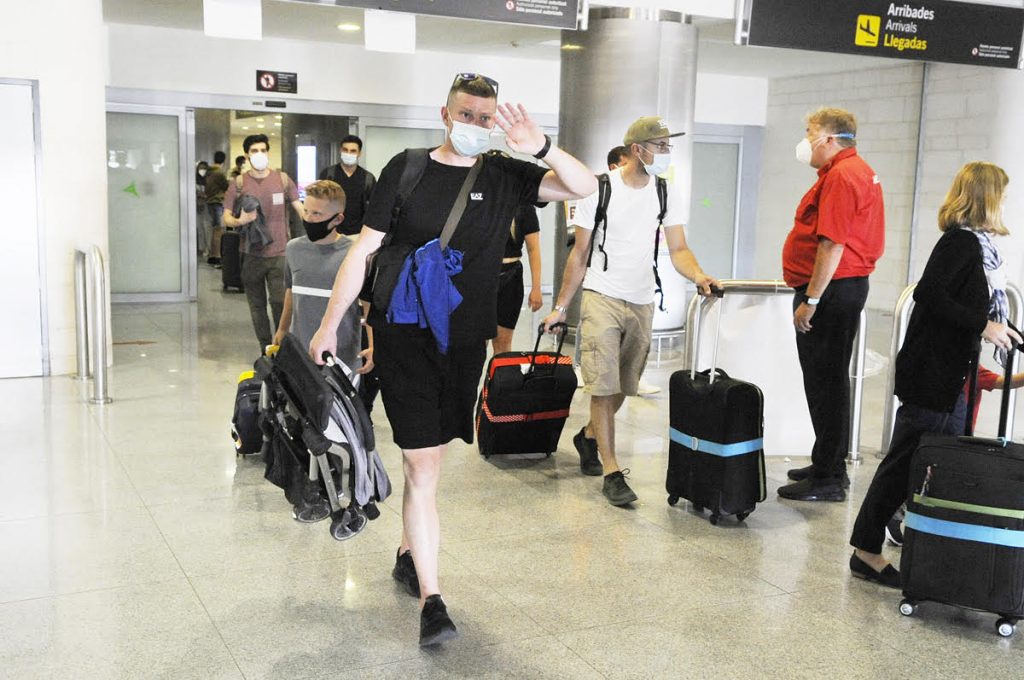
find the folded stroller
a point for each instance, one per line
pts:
(313, 417)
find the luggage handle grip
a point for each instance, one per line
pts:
(562, 329)
(998, 442)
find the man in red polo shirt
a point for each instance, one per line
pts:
(838, 234)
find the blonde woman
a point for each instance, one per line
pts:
(960, 299)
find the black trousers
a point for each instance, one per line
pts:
(825, 353)
(889, 487)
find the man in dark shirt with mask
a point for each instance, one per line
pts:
(428, 395)
(355, 180)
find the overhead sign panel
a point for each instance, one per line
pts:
(549, 13)
(929, 30)
(277, 81)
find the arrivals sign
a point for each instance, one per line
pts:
(928, 30)
(549, 13)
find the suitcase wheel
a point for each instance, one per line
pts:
(740, 516)
(907, 607)
(672, 500)
(1006, 627)
(713, 519)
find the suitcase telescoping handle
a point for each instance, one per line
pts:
(1004, 407)
(718, 293)
(561, 328)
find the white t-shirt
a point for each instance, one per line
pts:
(632, 223)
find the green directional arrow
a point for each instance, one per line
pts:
(706, 202)
(130, 189)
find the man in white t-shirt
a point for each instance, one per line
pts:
(617, 274)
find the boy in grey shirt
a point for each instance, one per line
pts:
(311, 263)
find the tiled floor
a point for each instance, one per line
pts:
(133, 544)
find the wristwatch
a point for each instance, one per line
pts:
(560, 309)
(811, 301)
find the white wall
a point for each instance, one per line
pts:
(886, 102)
(61, 43)
(153, 58)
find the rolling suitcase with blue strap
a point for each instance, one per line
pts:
(964, 527)
(716, 442)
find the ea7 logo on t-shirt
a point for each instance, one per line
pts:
(476, 196)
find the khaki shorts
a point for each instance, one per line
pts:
(616, 338)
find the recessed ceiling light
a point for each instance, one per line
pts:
(261, 126)
(277, 124)
(279, 116)
(569, 47)
(259, 120)
(349, 27)
(245, 127)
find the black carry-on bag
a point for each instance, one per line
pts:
(716, 431)
(964, 530)
(231, 259)
(525, 400)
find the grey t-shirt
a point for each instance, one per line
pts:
(309, 272)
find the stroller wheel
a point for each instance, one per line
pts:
(310, 512)
(349, 523)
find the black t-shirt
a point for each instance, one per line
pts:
(356, 197)
(503, 185)
(526, 223)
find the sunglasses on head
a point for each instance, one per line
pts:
(469, 77)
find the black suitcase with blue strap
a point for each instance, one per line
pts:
(964, 528)
(716, 446)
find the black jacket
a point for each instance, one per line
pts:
(950, 313)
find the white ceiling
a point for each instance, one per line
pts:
(307, 21)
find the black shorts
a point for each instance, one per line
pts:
(429, 397)
(510, 293)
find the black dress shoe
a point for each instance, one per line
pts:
(435, 625)
(811, 489)
(888, 577)
(800, 474)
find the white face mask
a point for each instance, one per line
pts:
(804, 151)
(469, 140)
(349, 158)
(202, 173)
(259, 161)
(659, 164)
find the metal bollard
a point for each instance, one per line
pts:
(81, 316)
(98, 333)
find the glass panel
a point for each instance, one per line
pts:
(711, 230)
(143, 195)
(382, 143)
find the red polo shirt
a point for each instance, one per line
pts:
(845, 206)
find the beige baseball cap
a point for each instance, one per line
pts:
(648, 128)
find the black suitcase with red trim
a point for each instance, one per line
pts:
(525, 401)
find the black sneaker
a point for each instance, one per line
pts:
(800, 474)
(405, 573)
(590, 462)
(811, 489)
(435, 625)
(894, 531)
(616, 490)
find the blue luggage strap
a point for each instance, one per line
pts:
(714, 448)
(966, 532)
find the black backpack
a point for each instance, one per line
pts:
(604, 196)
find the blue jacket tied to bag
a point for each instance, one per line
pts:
(425, 294)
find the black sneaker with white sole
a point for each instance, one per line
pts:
(405, 573)
(435, 624)
(894, 531)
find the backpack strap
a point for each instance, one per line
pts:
(604, 195)
(412, 173)
(662, 187)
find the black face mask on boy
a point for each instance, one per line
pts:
(318, 230)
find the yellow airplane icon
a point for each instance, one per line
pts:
(868, 28)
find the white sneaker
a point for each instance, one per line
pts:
(579, 377)
(644, 389)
